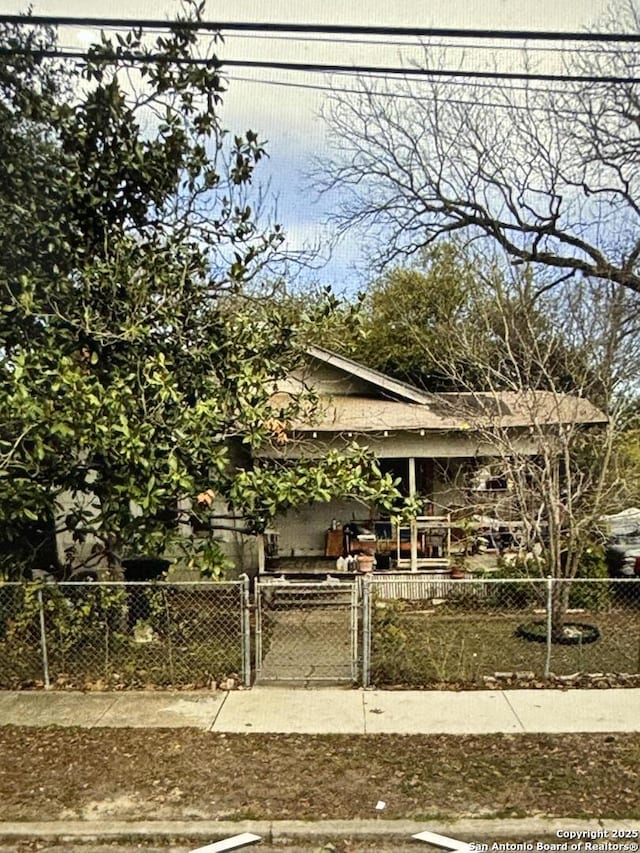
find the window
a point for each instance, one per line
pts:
(489, 478)
(399, 469)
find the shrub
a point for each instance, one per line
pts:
(521, 595)
(591, 596)
(389, 641)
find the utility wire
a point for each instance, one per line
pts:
(513, 87)
(531, 90)
(399, 95)
(309, 39)
(418, 44)
(394, 71)
(317, 68)
(327, 29)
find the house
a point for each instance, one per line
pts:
(444, 448)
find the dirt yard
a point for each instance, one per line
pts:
(52, 773)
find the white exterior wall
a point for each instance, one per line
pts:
(240, 548)
(301, 533)
(73, 553)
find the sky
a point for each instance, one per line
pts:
(288, 118)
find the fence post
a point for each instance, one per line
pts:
(547, 663)
(245, 630)
(257, 631)
(366, 631)
(43, 643)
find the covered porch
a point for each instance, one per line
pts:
(457, 521)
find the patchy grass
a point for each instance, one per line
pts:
(125, 663)
(164, 774)
(436, 645)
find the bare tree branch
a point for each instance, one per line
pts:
(549, 176)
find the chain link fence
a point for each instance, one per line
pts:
(114, 635)
(412, 630)
(430, 632)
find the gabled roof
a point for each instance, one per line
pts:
(392, 388)
(392, 405)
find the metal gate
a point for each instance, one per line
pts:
(306, 631)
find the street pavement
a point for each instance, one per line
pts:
(278, 710)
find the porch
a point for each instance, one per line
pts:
(459, 522)
(364, 545)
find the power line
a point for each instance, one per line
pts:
(395, 43)
(400, 95)
(532, 90)
(327, 29)
(477, 84)
(394, 71)
(317, 68)
(309, 39)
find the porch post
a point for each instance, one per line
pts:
(414, 527)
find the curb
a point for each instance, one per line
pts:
(464, 829)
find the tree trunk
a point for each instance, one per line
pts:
(559, 604)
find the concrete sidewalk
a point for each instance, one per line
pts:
(332, 710)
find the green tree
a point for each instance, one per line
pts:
(135, 369)
(409, 323)
(408, 313)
